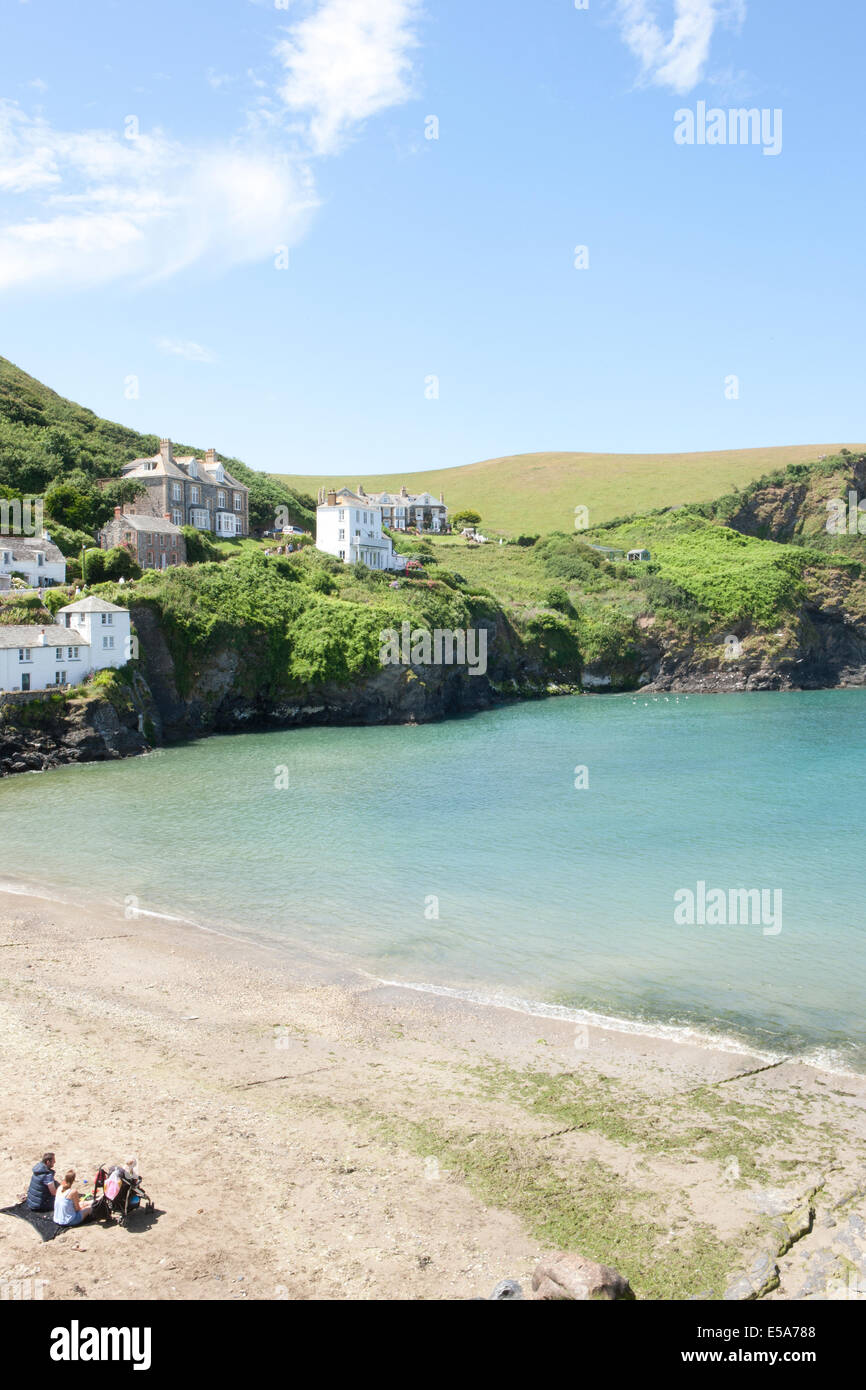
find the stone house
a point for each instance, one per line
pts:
(190, 491)
(155, 542)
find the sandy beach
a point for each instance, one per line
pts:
(310, 1139)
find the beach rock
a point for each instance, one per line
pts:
(507, 1289)
(571, 1276)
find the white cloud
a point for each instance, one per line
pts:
(193, 352)
(84, 208)
(91, 206)
(347, 61)
(677, 61)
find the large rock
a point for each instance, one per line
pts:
(562, 1276)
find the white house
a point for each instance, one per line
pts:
(90, 635)
(35, 658)
(105, 628)
(35, 557)
(349, 526)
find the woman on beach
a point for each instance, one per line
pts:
(69, 1210)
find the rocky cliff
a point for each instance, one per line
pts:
(46, 733)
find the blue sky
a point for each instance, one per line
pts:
(302, 125)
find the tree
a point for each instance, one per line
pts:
(121, 564)
(94, 566)
(466, 517)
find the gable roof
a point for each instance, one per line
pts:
(92, 604)
(141, 521)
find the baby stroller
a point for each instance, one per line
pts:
(121, 1192)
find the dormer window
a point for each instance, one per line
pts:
(193, 469)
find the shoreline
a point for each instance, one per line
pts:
(355, 1125)
(342, 969)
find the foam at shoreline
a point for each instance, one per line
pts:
(679, 1034)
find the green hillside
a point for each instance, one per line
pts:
(539, 492)
(46, 440)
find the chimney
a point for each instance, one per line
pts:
(41, 639)
(361, 492)
(332, 499)
(165, 450)
(442, 497)
(210, 456)
(167, 516)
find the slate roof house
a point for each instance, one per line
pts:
(155, 541)
(190, 491)
(90, 635)
(36, 557)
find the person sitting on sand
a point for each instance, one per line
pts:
(43, 1185)
(69, 1210)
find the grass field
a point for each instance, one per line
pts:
(539, 492)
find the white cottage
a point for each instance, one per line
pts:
(349, 526)
(37, 558)
(91, 635)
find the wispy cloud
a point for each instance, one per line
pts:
(677, 59)
(192, 352)
(84, 208)
(345, 62)
(95, 207)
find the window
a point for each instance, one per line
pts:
(177, 517)
(40, 559)
(162, 540)
(195, 494)
(7, 557)
(60, 677)
(341, 516)
(341, 534)
(148, 541)
(176, 492)
(24, 654)
(73, 653)
(221, 499)
(149, 558)
(342, 554)
(239, 502)
(107, 619)
(108, 644)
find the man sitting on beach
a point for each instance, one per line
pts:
(42, 1189)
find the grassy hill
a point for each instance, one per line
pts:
(46, 439)
(539, 492)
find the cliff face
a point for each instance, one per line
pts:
(392, 695)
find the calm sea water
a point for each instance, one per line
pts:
(462, 856)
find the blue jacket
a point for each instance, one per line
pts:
(38, 1196)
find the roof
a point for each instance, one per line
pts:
(140, 521)
(13, 635)
(93, 605)
(178, 467)
(26, 547)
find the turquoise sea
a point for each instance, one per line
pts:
(461, 855)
